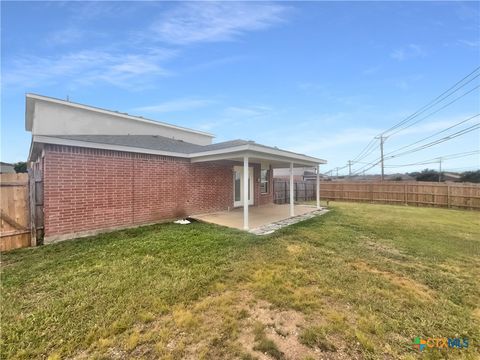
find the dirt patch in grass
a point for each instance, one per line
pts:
(295, 249)
(404, 283)
(381, 248)
(476, 314)
(269, 332)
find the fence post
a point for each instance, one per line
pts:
(448, 196)
(405, 194)
(32, 207)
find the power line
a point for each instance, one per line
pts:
(404, 124)
(364, 168)
(435, 160)
(369, 145)
(422, 147)
(436, 111)
(436, 142)
(435, 101)
(437, 133)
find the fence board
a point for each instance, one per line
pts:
(14, 206)
(451, 195)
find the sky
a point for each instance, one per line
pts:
(320, 78)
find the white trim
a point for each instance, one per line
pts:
(108, 112)
(245, 192)
(267, 181)
(261, 150)
(252, 188)
(292, 195)
(239, 154)
(318, 186)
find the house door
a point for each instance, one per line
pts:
(238, 186)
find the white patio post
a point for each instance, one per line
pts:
(292, 199)
(245, 192)
(318, 186)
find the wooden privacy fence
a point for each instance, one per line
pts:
(15, 215)
(451, 195)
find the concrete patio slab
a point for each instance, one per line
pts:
(260, 217)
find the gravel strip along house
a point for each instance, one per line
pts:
(103, 170)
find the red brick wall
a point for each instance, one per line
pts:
(92, 189)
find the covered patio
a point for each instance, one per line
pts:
(243, 215)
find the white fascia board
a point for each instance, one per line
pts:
(108, 112)
(94, 145)
(259, 150)
(287, 154)
(219, 151)
(282, 159)
(238, 155)
(220, 156)
(30, 151)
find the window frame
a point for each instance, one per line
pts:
(266, 181)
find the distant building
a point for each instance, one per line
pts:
(6, 168)
(298, 173)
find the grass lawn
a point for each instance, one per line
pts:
(359, 282)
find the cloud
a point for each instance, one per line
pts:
(195, 22)
(133, 60)
(408, 52)
(65, 36)
(328, 94)
(215, 63)
(321, 141)
(407, 82)
(82, 11)
(246, 112)
(175, 105)
(371, 70)
(234, 116)
(88, 67)
(470, 43)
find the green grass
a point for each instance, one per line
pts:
(365, 278)
(265, 345)
(316, 337)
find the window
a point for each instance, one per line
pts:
(264, 176)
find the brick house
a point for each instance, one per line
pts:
(104, 170)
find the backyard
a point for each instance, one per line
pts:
(358, 282)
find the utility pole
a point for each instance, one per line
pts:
(349, 168)
(337, 171)
(440, 169)
(382, 140)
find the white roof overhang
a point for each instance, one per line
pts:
(257, 153)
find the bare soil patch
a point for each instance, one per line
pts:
(405, 283)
